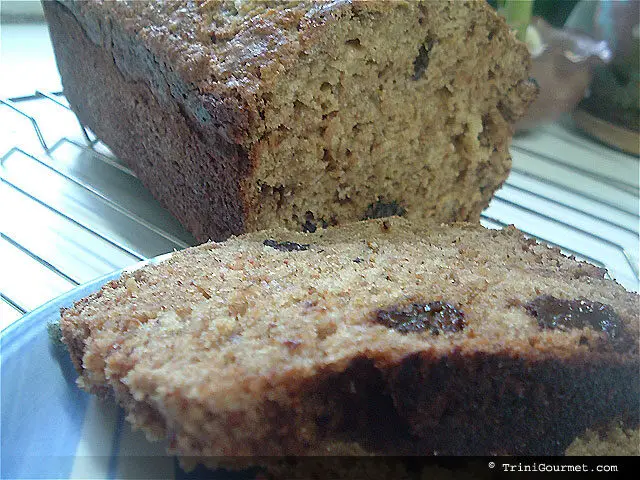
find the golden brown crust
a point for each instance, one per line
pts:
(247, 348)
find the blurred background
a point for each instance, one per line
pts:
(72, 212)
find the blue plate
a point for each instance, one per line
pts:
(51, 429)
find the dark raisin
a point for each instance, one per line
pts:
(358, 260)
(435, 317)
(421, 62)
(553, 313)
(382, 209)
(285, 246)
(309, 226)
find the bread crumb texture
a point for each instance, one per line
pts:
(384, 336)
(614, 440)
(241, 116)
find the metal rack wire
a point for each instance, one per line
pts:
(94, 207)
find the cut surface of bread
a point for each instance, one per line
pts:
(240, 116)
(380, 337)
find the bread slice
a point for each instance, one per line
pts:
(380, 337)
(240, 116)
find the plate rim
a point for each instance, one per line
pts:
(34, 317)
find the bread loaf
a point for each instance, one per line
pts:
(381, 337)
(240, 116)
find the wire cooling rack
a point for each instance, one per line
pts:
(71, 211)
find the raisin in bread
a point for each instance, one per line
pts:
(376, 337)
(240, 116)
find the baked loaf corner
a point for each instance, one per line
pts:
(381, 337)
(244, 116)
